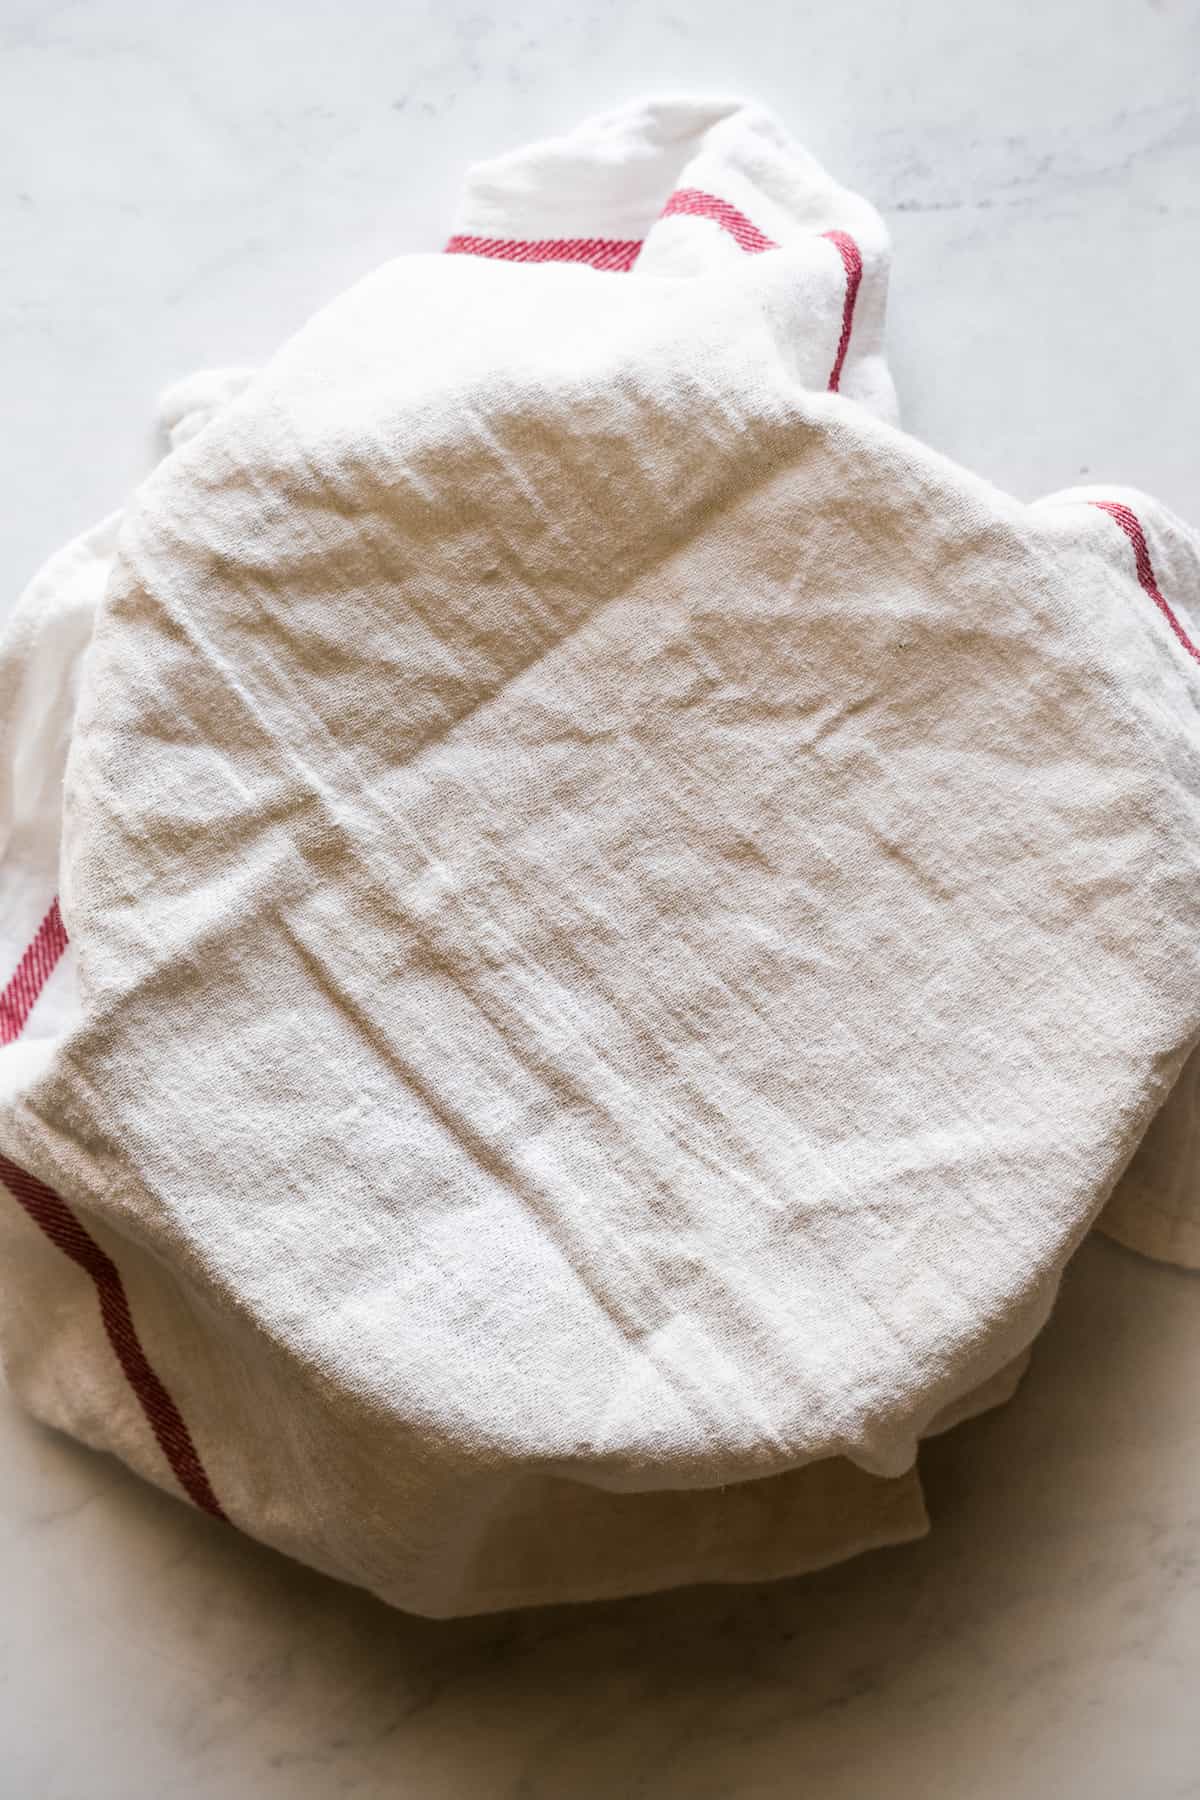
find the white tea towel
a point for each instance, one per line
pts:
(626, 916)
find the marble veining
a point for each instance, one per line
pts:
(181, 187)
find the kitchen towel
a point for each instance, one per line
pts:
(624, 916)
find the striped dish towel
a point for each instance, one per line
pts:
(624, 916)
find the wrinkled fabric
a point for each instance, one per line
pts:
(625, 917)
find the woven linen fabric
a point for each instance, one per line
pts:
(624, 916)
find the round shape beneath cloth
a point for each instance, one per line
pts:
(628, 917)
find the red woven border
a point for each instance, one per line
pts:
(852, 262)
(1131, 526)
(53, 1216)
(616, 254)
(620, 254)
(694, 203)
(33, 971)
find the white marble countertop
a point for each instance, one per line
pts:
(180, 187)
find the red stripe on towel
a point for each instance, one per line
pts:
(52, 1214)
(620, 254)
(1131, 526)
(617, 254)
(694, 203)
(852, 262)
(33, 971)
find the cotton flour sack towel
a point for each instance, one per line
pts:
(624, 917)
